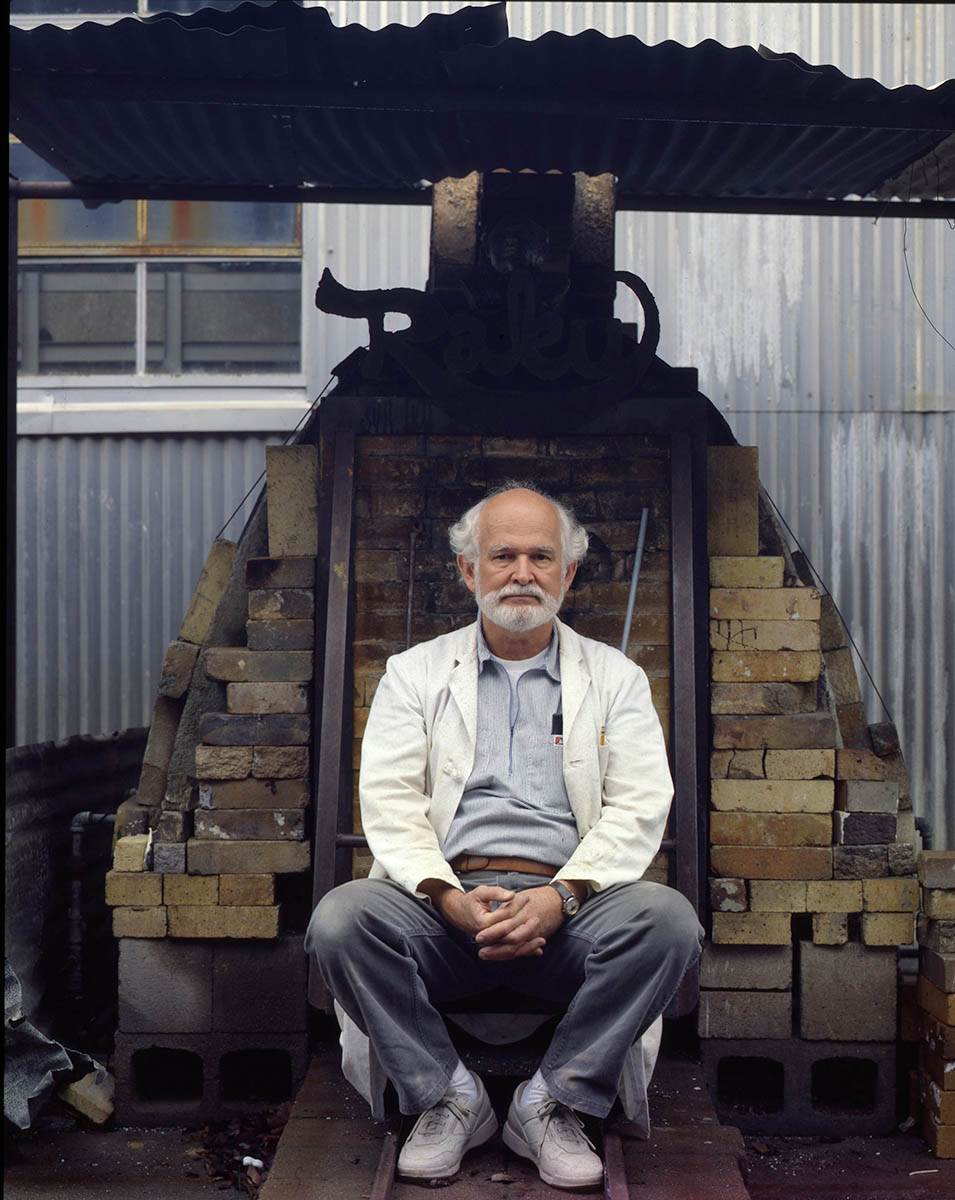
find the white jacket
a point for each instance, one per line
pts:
(418, 752)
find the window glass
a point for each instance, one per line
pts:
(202, 223)
(223, 317)
(76, 318)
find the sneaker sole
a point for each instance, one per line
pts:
(482, 1134)
(514, 1140)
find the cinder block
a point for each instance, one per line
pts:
(938, 969)
(835, 896)
(738, 633)
(246, 858)
(938, 1004)
(863, 828)
(173, 826)
(770, 829)
(867, 796)
(884, 738)
(751, 929)
(800, 764)
(937, 869)
(830, 929)
(177, 669)
(772, 795)
(768, 862)
(818, 1090)
(251, 824)
(859, 764)
(292, 604)
(804, 731)
(903, 859)
(267, 697)
(936, 902)
(134, 889)
(223, 762)
(296, 571)
(254, 793)
(280, 635)
(291, 483)
(273, 972)
(280, 762)
(860, 862)
(246, 889)
(129, 853)
(164, 986)
(255, 729)
(778, 895)
(890, 895)
(169, 858)
(190, 889)
(134, 922)
(888, 928)
(936, 935)
(735, 1013)
(733, 500)
(757, 968)
(132, 818)
(764, 604)
(223, 921)
(239, 664)
(205, 600)
(847, 993)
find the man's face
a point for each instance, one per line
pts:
(518, 578)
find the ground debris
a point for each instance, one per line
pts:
(224, 1144)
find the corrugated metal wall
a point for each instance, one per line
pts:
(805, 332)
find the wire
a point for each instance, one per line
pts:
(827, 592)
(905, 259)
(304, 417)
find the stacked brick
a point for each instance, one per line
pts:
(198, 857)
(936, 1000)
(812, 885)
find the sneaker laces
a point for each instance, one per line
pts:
(434, 1122)
(568, 1127)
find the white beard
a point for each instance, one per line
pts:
(519, 618)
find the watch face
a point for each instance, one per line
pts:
(571, 905)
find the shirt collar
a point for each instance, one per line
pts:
(551, 662)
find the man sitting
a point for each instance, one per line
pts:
(514, 788)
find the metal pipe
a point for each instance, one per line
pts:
(10, 631)
(641, 538)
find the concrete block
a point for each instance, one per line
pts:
(133, 889)
(292, 482)
(267, 697)
(863, 828)
(239, 664)
(903, 859)
(860, 862)
(936, 935)
(734, 571)
(938, 969)
(172, 826)
(728, 895)
(260, 986)
(246, 858)
(251, 824)
(741, 633)
(741, 1013)
(772, 796)
(296, 571)
(803, 731)
(209, 591)
(169, 858)
(859, 764)
(936, 869)
(890, 895)
(255, 793)
(867, 796)
(223, 921)
(800, 764)
(778, 895)
(135, 922)
(255, 729)
(834, 896)
(836, 1089)
(129, 853)
(763, 698)
(91, 1099)
(733, 501)
(936, 902)
(246, 889)
(847, 993)
(731, 967)
(177, 669)
(293, 604)
(280, 762)
(884, 738)
(772, 862)
(164, 986)
(280, 635)
(888, 928)
(937, 1003)
(223, 762)
(190, 889)
(764, 604)
(132, 817)
(751, 929)
(770, 829)
(830, 929)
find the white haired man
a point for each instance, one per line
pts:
(514, 788)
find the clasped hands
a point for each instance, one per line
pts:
(505, 924)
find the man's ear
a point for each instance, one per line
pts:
(467, 573)
(569, 574)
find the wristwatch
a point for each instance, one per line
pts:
(571, 903)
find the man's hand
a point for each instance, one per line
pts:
(521, 926)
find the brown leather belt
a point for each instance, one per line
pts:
(480, 862)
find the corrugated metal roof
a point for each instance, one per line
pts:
(281, 96)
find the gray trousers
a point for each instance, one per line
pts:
(388, 958)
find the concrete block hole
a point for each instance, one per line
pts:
(751, 1085)
(844, 1085)
(256, 1075)
(160, 1073)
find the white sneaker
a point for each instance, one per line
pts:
(443, 1135)
(552, 1137)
